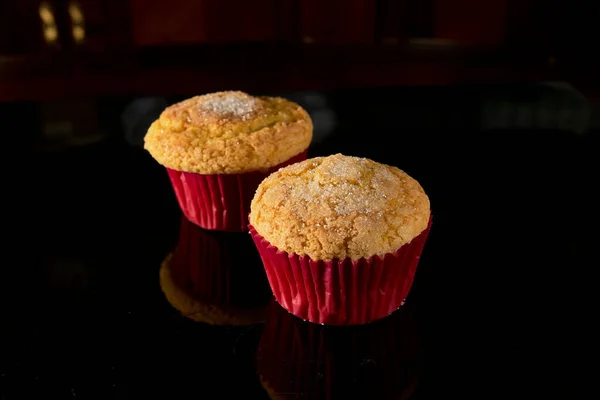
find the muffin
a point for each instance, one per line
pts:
(215, 277)
(218, 147)
(300, 360)
(340, 237)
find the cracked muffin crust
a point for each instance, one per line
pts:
(228, 133)
(338, 207)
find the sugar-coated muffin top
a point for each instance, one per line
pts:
(228, 133)
(339, 206)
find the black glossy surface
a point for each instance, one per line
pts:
(501, 288)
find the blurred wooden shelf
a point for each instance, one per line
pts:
(140, 47)
(263, 68)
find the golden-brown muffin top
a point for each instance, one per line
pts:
(228, 133)
(339, 206)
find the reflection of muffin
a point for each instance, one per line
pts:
(300, 360)
(218, 147)
(215, 277)
(340, 237)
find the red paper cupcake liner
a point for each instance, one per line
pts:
(298, 359)
(218, 274)
(341, 292)
(220, 201)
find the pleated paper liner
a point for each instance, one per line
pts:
(215, 277)
(341, 292)
(221, 201)
(300, 360)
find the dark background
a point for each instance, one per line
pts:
(491, 106)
